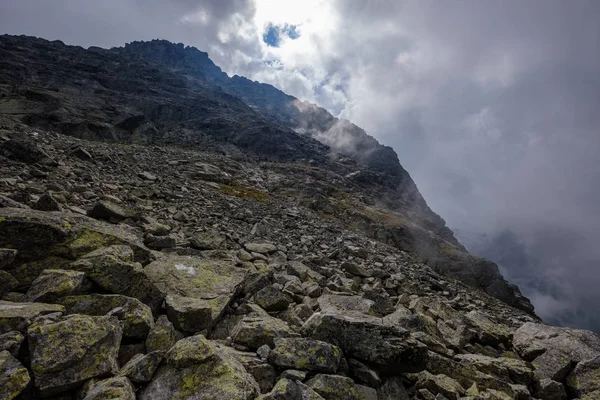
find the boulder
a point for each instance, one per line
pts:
(161, 336)
(198, 289)
(272, 299)
(113, 269)
(38, 234)
(288, 389)
(7, 283)
(443, 384)
(363, 373)
(258, 328)
(260, 248)
(305, 354)
(334, 387)
(112, 388)
(488, 331)
(533, 339)
(207, 241)
(18, 316)
(14, 377)
(342, 304)
(509, 369)
(55, 283)
(66, 353)
(551, 390)
(392, 389)
(136, 316)
(585, 378)
(11, 342)
(141, 368)
(109, 211)
(368, 339)
(198, 369)
(554, 351)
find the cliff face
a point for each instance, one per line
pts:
(163, 93)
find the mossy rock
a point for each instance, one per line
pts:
(258, 328)
(136, 316)
(18, 316)
(112, 270)
(14, 377)
(7, 283)
(112, 388)
(55, 283)
(141, 368)
(66, 353)
(306, 354)
(290, 389)
(199, 369)
(38, 234)
(334, 387)
(11, 341)
(161, 336)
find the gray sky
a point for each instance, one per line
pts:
(492, 106)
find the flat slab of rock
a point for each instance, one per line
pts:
(14, 377)
(368, 339)
(340, 303)
(37, 234)
(305, 353)
(334, 387)
(66, 353)
(136, 316)
(199, 369)
(197, 289)
(18, 316)
(258, 328)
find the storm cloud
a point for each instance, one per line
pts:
(493, 107)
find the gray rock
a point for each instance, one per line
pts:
(207, 241)
(272, 299)
(136, 316)
(199, 289)
(369, 339)
(66, 353)
(443, 384)
(305, 354)
(11, 342)
(294, 375)
(112, 388)
(363, 373)
(18, 316)
(161, 336)
(342, 304)
(585, 378)
(55, 283)
(109, 211)
(334, 387)
(261, 248)
(392, 389)
(551, 390)
(288, 389)
(47, 203)
(141, 368)
(197, 368)
(14, 377)
(552, 350)
(257, 328)
(7, 283)
(488, 331)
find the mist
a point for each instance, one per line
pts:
(491, 106)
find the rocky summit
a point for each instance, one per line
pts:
(170, 232)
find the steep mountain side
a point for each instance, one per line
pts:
(162, 93)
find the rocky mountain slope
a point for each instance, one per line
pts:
(200, 248)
